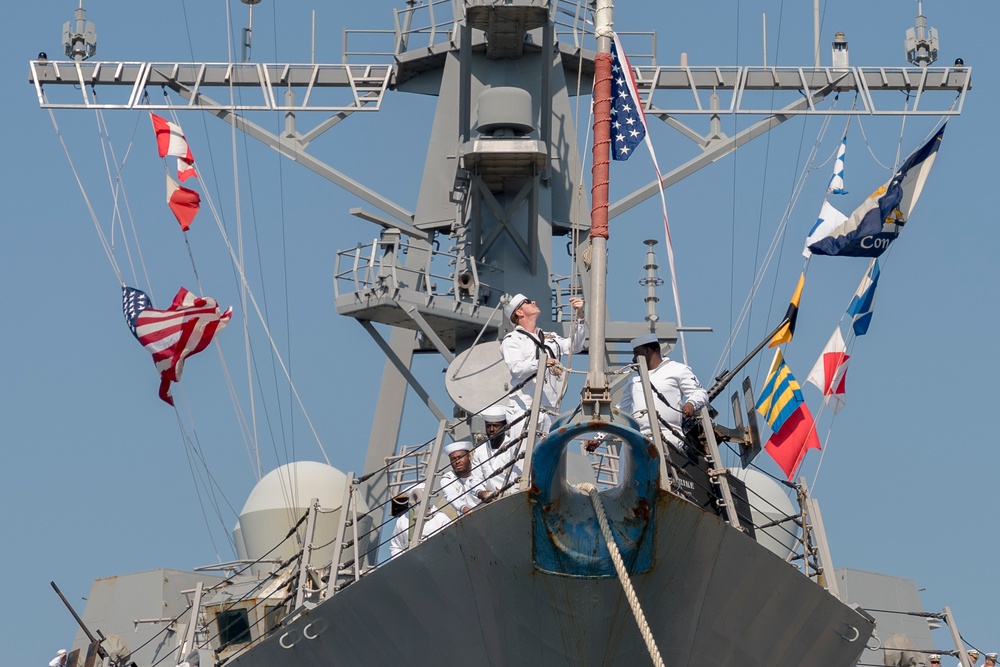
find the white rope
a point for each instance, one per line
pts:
(616, 558)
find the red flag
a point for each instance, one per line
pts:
(796, 436)
(830, 372)
(184, 203)
(170, 141)
(172, 335)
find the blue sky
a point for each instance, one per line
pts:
(97, 478)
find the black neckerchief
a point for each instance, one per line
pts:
(539, 344)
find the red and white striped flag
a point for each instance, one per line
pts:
(174, 334)
(170, 141)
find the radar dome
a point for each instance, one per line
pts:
(769, 502)
(277, 502)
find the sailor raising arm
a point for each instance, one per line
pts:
(523, 347)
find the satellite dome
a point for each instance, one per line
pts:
(769, 502)
(277, 502)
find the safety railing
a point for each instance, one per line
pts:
(378, 266)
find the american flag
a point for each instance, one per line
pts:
(628, 124)
(174, 334)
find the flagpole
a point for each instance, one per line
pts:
(722, 382)
(596, 396)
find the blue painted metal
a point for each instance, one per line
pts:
(566, 538)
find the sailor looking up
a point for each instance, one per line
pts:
(461, 484)
(676, 391)
(487, 457)
(521, 350)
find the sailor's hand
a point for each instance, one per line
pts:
(577, 304)
(688, 409)
(592, 444)
(554, 367)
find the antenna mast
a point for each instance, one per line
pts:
(79, 36)
(921, 41)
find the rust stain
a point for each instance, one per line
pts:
(641, 510)
(652, 452)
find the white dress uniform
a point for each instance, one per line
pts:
(487, 461)
(434, 522)
(461, 491)
(400, 541)
(521, 352)
(676, 382)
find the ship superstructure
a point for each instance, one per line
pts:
(500, 191)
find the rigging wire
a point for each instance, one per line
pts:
(86, 198)
(109, 249)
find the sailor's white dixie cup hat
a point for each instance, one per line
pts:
(460, 446)
(494, 413)
(644, 339)
(515, 302)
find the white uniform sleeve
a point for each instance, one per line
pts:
(627, 404)
(691, 389)
(452, 490)
(401, 538)
(579, 336)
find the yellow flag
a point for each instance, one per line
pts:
(786, 331)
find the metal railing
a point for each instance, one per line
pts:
(373, 266)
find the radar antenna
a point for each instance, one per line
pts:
(921, 41)
(79, 36)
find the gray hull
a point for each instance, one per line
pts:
(470, 596)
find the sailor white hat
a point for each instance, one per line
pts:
(991, 656)
(414, 492)
(512, 305)
(460, 446)
(494, 413)
(934, 656)
(644, 339)
(973, 652)
(61, 651)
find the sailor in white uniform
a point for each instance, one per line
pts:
(406, 520)
(973, 656)
(521, 350)
(398, 508)
(677, 392)
(487, 457)
(462, 485)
